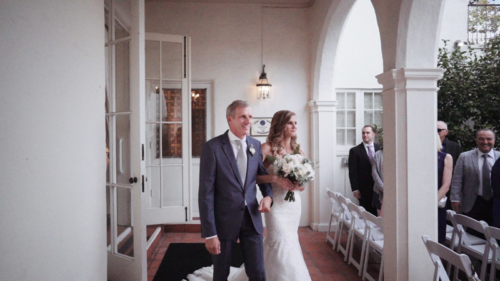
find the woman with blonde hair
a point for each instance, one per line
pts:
(445, 170)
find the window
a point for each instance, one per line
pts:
(484, 21)
(355, 109)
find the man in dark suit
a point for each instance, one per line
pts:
(360, 169)
(471, 191)
(495, 185)
(229, 209)
(450, 147)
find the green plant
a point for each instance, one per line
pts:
(469, 92)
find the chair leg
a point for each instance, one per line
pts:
(365, 266)
(484, 263)
(348, 246)
(362, 257)
(335, 242)
(381, 272)
(329, 227)
(339, 245)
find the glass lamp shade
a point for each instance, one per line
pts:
(263, 87)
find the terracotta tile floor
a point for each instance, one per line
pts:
(322, 261)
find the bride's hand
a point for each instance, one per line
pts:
(297, 187)
(284, 183)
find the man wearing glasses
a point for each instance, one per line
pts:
(449, 146)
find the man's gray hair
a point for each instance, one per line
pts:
(445, 125)
(232, 107)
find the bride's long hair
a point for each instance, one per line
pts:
(278, 125)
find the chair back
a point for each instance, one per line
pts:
(462, 221)
(492, 236)
(438, 252)
(336, 208)
(375, 226)
(357, 214)
(345, 210)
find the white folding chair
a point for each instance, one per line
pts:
(492, 235)
(451, 231)
(358, 230)
(460, 261)
(374, 240)
(345, 224)
(336, 213)
(465, 244)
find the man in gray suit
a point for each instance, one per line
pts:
(229, 210)
(471, 184)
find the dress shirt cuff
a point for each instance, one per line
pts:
(210, 237)
(452, 201)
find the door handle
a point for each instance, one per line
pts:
(132, 180)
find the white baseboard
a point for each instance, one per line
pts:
(323, 227)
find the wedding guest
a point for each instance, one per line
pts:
(445, 170)
(378, 178)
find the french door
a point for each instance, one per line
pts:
(125, 115)
(168, 128)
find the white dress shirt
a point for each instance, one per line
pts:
(372, 148)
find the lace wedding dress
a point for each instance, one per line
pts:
(283, 259)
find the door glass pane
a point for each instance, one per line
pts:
(350, 100)
(378, 101)
(350, 119)
(341, 118)
(122, 76)
(153, 102)
(196, 184)
(171, 141)
(122, 142)
(198, 120)
(172, 59)
(108, 218)
(171, 104)
(368, 118)
(351, 137)
(153, 144)
(341, 137)
(172, 186)
(125, 237)
(368, 101)
(120, 31)
(341, 100)
(152, 52)
(153, 184)
(378, 118)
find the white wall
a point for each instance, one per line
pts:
(454, 23)
(226, 49)
(359, 56)
(52, 201)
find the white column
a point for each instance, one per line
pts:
(323, 155)
(410, 170)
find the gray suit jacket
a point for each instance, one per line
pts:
(222, 195)
(465, 181)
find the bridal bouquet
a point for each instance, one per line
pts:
(295, 167)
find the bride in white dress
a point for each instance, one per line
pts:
(283, 259)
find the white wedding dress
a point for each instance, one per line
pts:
(283, 259)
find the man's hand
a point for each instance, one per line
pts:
(457, 207)
(213, 245)
(356, 194)
(265, 204)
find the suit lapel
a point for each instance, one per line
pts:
(250, 160)
(363, 151)
(474, 160)
(228, 150)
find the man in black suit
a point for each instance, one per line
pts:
(227, 198)
(360, 169)
(450, 147)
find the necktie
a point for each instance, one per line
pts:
(370, 153)
(241, 160)
(486, 178)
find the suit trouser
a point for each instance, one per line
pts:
(481, 210)
(366, 202)
(252, 249)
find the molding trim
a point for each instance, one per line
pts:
(411, 79)
(323, 105)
